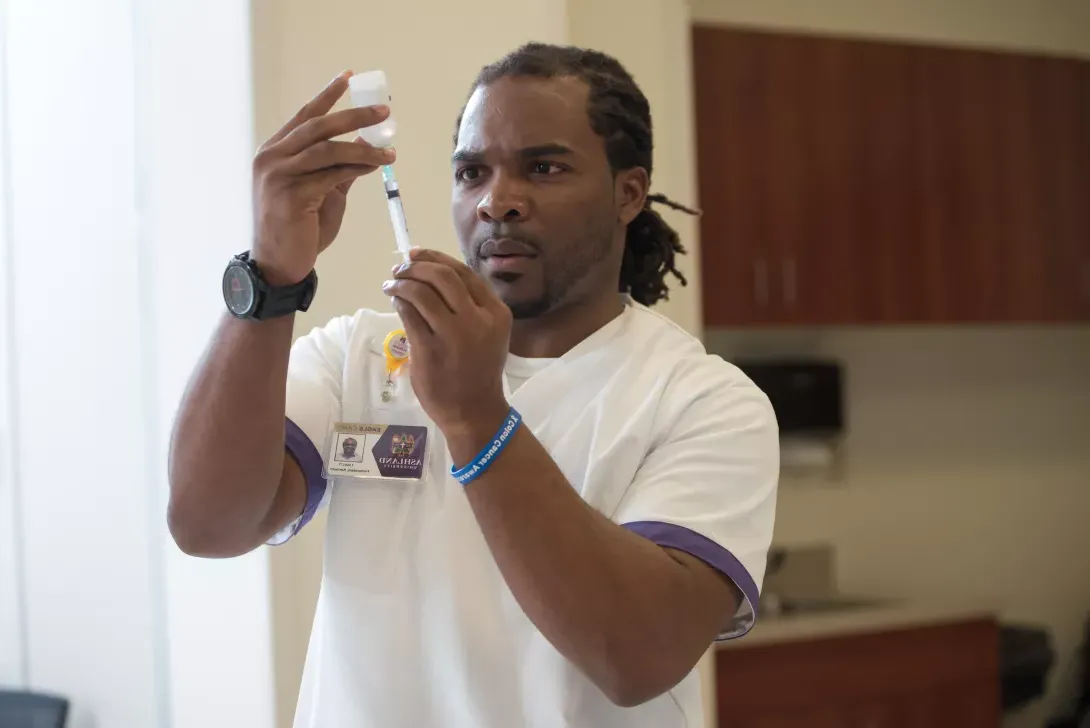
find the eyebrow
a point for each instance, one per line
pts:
(473, 156)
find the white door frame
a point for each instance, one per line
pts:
(13, 654)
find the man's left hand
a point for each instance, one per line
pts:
(458, 332)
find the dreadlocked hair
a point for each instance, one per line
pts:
(621, 115)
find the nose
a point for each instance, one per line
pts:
(504, 202)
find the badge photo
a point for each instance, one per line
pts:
(348, 448)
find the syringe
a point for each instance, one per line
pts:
(397, 211)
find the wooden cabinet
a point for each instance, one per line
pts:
(857, 182)
(942, 676)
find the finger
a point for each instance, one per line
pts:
(320, 182)
(333, 154)
(331, 125)
(317, 106)
(344, 187)
(425, 299)
(479, 291)
(416, 328)
(443, 279)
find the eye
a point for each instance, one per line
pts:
(546, 168)
(467, 174)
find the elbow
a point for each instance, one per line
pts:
(629, 683)
(630, 697)
(197, 535)
(632, 692)
(189, 536)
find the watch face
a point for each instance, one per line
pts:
(238, 290)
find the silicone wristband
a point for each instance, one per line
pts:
(478, 465)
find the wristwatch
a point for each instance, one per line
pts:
(249, 296)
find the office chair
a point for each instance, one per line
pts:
(32, 710)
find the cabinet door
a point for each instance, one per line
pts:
(776, 126)
(822, 257)
(1082, 253)
(1063, 124)
(1003, 151)
(1024, 242)
(964, 203)
(734, 265)
(887, 160)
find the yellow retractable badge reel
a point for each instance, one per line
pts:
(396, 349)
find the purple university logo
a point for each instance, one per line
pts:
(402, 445)
(399, 452)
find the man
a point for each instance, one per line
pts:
(597, 495)
(348, 448)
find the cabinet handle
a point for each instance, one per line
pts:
(1084, 282)
(789, 281)
(760, 281)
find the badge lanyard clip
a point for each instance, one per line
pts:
(396, 350)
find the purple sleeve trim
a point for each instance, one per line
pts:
(680, 538)
(310, 462)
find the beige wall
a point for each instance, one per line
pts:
(655, 47)
(968, 472)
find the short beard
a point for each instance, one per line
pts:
(526, 309)
(532, 309)
(566, 279)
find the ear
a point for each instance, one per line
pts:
(630, 187)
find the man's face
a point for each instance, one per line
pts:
(349, 448)
(538, 211)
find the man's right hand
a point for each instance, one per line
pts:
(301, 182)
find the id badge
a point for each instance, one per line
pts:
(382, 452)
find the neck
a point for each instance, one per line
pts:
(557, 332)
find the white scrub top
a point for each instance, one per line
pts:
(415, 626)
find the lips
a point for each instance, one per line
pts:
(506, 248)
(508, 263)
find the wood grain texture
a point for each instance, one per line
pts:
(864, 182)
(943, 676)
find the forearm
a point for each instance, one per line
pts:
(227, 449)
(607, 599)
